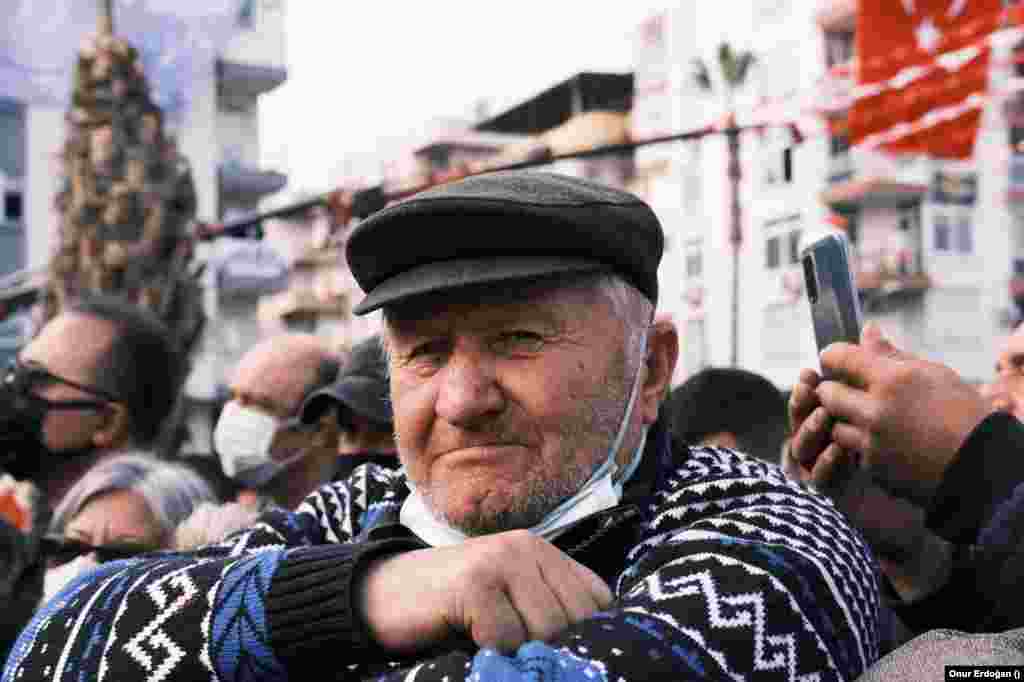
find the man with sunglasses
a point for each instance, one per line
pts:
(262, 444)
(102, 376)
(99, 377)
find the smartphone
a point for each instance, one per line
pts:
(831, 290)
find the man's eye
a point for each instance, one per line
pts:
(425, 351)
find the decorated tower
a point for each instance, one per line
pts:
(128, 202)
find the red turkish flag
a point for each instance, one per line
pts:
(910, 48)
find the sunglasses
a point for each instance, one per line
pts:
(26, 378)
(60, 550)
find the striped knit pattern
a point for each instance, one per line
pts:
(740, 574)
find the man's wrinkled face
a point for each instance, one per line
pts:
(70, 346)
(504, 409)
(1006, 391)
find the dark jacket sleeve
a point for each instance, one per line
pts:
(984, 474)
(979, 507)
(982, 592)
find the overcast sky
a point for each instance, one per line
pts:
(362, 75)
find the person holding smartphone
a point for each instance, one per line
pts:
(933, 476)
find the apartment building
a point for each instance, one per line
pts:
(939, 284)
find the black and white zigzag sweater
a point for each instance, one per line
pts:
(721, 567)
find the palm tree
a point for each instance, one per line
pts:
(733, 69)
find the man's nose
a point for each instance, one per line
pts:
(469, 393)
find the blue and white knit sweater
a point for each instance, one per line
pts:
(733, 572)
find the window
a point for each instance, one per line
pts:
(964, 235)
(794, 246)
(838, 47)
(779, 167)
(694, 262)
(771, 253)
(942, 236)
(787, 164)
(247, 14)
(692, 179)
(693, 346)
(838, 145)
(12, 206)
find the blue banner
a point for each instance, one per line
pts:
(178, 41)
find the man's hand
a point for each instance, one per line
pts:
(908, 417)
(810, 424)
(500, 590)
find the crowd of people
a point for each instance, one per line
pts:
(503, 484)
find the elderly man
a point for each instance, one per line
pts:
(262, 444)
(541, 526)
(80, 390)
(360, 403)
(1006, 390)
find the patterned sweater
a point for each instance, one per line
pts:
(722, 568)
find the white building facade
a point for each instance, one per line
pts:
(936, 280)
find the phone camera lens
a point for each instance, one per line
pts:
(810, 279)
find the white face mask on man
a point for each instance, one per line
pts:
(244, 440)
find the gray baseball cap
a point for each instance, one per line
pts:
(361, 387)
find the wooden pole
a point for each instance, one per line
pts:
(106, 23)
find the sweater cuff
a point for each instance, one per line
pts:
(310, 604)
(983, 474)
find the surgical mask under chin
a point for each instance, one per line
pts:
(603, 490)
(243, 439)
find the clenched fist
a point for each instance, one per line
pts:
(500, 590)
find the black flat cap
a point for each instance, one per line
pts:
(361, 387)
(508, 225)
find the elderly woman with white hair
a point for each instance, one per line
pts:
(133, 502)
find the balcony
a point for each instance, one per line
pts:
(246, 184)
(889, 272)
(253, 62)
(872, 192)
(248, 269)
(302, 304)
(243, 82)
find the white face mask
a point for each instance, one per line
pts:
(243, 440)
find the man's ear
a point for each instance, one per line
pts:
(659, 365)
(115, 431)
